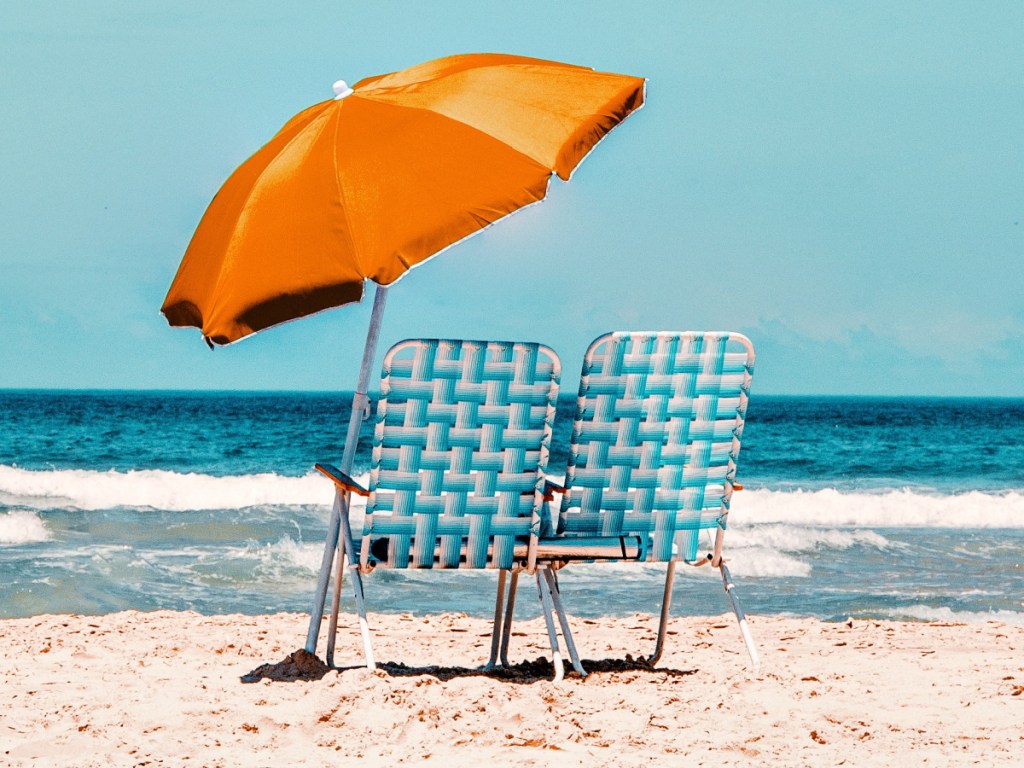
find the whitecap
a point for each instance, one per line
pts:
(892, 509)
(160, 489)
(22, 526)
(945, 614)
(797, 538)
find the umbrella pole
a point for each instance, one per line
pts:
(360, 401)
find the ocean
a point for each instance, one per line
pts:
(890, 508)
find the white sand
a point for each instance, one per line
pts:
(164, 689)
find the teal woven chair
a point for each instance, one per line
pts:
(653, 457)
(460, 447)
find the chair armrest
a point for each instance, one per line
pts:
(342, 480)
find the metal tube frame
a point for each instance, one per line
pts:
(666, 604)
(506, 630)
(551, 603)
(503, 610)
(556, 597)
(748, 639)
(546, 605)
(716, 561)
(499, 604)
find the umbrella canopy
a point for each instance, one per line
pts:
(382, 177)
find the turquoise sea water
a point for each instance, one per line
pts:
(864, 507)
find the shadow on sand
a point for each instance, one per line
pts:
(302, 665)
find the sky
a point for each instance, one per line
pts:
(842, 182)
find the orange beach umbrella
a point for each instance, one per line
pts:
(375, 181)
(382, 177)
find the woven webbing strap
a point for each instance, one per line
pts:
(459, 450)
(656, 435)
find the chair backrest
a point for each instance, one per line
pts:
(656, 435)
(459, 452)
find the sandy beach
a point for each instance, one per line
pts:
(166, 688)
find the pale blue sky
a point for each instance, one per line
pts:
(843, 182)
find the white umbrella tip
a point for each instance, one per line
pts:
(341, 89)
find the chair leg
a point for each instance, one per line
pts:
(506, 630)
(499, 605)
(740, 617)
(563, 620)
(316, 613)
(347, 559)
(666, 604)
(364, 626)
(332, 625)
(545, 601)
(502, 628)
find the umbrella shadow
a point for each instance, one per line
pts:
(302, 665)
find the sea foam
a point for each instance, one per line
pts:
(890, 509)
(801, 538)
(22, 526)
(157, 489)
(291, 554)
(175, 491)
(944, 614)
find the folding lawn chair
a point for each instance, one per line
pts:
(652, 459)
(457, 476)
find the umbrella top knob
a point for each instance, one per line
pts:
(341, 90)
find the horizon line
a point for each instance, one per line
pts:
(572, 395)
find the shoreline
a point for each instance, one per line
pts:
(164, 688)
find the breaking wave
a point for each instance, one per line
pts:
(890, 509)
(156, 489)
(22, 526)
